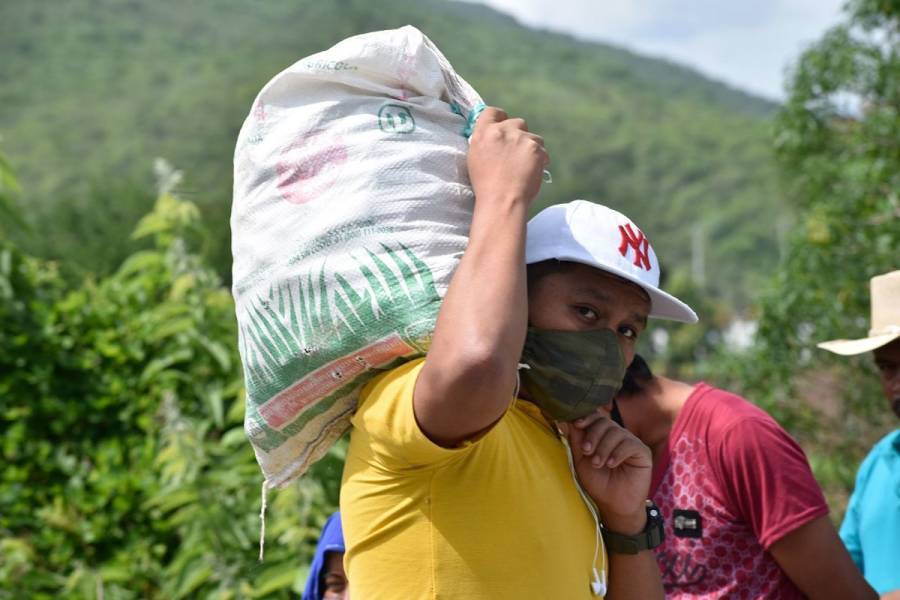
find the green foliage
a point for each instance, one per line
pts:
(95, 236)
(838, 143)
(125, 471)
(686, 349)
(94, 89)
(10, 219)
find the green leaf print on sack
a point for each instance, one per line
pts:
(309, 344)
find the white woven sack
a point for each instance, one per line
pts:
(351, 210)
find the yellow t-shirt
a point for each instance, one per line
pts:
(497, 518)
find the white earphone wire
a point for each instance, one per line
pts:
(598, 584)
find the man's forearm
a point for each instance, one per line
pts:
(815, 559)
(469, 374)
(481, 327)
(486, 306)
(633, 576)
(619, 490)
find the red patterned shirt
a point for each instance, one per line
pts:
(730, 484)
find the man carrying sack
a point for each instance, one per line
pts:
(456, 485)
(871, 528)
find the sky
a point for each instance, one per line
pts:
(745, 44)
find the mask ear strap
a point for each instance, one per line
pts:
(519, 379)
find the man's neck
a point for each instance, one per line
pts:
(661, 402)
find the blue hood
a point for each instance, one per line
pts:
(331, 540)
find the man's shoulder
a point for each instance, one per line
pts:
(890, 442)
(885, 452)
(724, 411)
(392, 381)
(385, 426)
(889, 445)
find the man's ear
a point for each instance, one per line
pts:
(607, 408)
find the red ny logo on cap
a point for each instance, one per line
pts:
(639, 243)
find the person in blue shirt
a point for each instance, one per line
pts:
(871, 527)
(327, 579)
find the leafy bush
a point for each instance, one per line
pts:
(125, 471)
(838, 145)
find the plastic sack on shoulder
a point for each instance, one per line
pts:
(351, 210)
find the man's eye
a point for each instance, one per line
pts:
(629, 332)
(587, 313)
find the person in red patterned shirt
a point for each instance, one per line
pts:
(744, 515)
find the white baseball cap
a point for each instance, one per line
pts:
(592, 234)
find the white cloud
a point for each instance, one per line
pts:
(746, 44)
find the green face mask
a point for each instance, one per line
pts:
(571, 374)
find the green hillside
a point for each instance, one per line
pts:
(91, 91)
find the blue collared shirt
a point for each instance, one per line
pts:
(871, 527)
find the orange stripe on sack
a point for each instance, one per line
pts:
(285, 406)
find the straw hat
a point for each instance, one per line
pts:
(885, 329)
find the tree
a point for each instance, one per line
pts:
(838, 145)
(10, 218)
(124, 468)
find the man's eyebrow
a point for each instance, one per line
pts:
(642, 319)
(595, 294)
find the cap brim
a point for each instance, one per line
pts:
(667, 306)
(852, 347)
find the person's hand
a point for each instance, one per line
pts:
(614, 468)
(505, 160)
